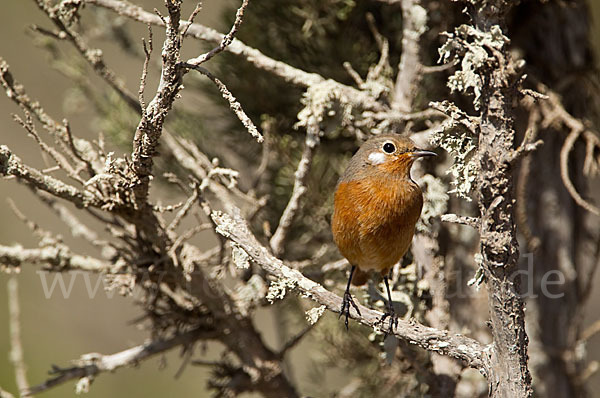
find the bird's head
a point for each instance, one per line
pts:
(391, 153)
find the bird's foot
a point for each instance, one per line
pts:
(345, 310)
(393, 322)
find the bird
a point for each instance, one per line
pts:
(376, 207)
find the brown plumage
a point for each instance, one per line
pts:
(376, 207)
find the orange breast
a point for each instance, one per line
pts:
(374, 220)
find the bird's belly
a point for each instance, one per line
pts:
(384, 247)
(373, 229)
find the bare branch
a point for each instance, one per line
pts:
(521, 215)
(414, 23)
(438, 68)
(301, 175)
(147, 54)
(16, 351)
(353, 74)
(91, 55)
(79, 149)
(184, 210)
(281, 69)
(288, 73)
(10, 164)
(60, 160)
(149, 129)
(399, 116)
(227, 39)
(564, 173)
(5, 394)
(464, 220)
(557, 113)
(441, 341)
(57, 256)
(291, 343)
(91, 365)
(235, 106)
(190, 20)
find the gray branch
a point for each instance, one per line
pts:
(56, 256)
(441, 341)
(301, 175)
(93, 364)
(11, 165)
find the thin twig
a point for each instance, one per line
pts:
(190, 20)
(62, 133)
(300, 177)
(564, 173)
(291, 343)
(60, 160)
(235, 106)
(590, 331)
(93, 56)
(281, 69)
(227, 39)
(464, 220)
(521, 216)
(183, 211)
(10, 164)
(438, 68)
(68, 138)
(16, 351)
(147, 52)
(353, 74)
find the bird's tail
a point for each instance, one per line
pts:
(359, 277)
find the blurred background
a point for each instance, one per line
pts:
(56, 330)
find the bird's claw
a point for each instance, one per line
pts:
(345, 310)
(393, 323)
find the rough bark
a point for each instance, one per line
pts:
(510, 375)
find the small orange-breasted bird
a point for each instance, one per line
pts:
(376, 207)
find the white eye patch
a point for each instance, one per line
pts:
(376, 158)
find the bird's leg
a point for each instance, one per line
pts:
(348, 301)
(390, 312)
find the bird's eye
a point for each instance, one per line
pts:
(388, 147)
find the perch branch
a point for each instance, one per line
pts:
(441, 341)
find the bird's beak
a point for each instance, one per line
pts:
(417, 153)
